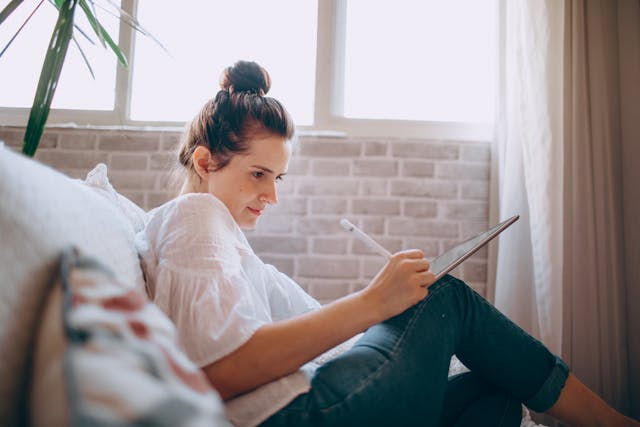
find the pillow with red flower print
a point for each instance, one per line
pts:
(112, 356)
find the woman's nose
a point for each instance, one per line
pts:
(270, 194)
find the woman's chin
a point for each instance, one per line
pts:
(248, 224)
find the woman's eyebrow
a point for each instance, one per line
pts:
(265, 169)
(262, 168)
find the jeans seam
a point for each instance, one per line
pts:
(504, 412)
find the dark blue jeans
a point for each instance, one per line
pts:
(396, 374)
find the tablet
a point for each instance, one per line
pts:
(454, 256)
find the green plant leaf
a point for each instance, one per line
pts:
(84, 57)
(49, 76)
(8, 9)
(21, 26)
(84, 34)
(93, 20)
(75, 26)
(132, 22)
(93, 9)
(102, 33)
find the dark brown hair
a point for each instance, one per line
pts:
(239, 111)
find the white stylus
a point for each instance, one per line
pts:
(372, 244)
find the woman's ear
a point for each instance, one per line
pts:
(202, 161)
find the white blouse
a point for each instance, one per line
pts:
(201, 271)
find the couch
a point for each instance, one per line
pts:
(71, 241)
(80, 342)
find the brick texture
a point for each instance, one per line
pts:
(422, 194)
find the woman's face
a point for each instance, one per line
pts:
(247, 184)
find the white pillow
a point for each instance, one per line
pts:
(99, 180)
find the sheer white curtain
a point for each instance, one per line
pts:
(569, 126)
(528, 285)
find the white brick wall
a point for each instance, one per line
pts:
(405, 193)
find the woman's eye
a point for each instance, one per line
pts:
(279, 178)
(257, 174)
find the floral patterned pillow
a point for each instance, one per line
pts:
(120, 363)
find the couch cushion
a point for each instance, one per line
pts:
(111, 357)
(42, 211)
(98, 179)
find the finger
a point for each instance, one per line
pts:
(429, 278)
(425, 280)
(412, 253)
(420, 293)
(417, 264)
(422, 265)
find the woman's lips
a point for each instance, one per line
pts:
(256, 212)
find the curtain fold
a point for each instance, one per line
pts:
(569, 119)
(629, 56)
(528, 276)
(594, 279)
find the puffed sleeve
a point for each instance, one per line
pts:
(286, 297)
(200, 281)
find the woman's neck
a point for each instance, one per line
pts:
(192, 185)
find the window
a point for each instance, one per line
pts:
(20, 65)
(364, 67)
(429, 60)
(172, 87)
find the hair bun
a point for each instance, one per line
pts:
(246, 76)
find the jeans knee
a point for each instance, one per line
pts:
(449, 282)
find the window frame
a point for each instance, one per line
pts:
(90, 118)
(328, 94)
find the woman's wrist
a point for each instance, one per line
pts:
(371, 308)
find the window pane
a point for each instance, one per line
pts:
(207, 36)
(21, 64)
(428, 60)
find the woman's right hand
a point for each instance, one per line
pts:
(400, 284)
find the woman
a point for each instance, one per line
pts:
(255, 333)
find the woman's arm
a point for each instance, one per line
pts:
(280, 348)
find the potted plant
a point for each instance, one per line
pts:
(56, 54)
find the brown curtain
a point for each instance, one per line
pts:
(601, 204)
